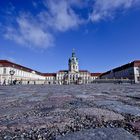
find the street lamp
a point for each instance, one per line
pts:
(12, 72)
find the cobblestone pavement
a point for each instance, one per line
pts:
(70, 112)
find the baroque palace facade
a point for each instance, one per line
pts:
(11, 72)
(71, 76)
(14, 73)
(129, 71)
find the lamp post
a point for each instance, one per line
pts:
(12, 72)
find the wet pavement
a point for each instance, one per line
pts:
(70, 112)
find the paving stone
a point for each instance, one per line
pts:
(136, 125)
(101, 114)
(99, 134)
(65, 108)
(119, 107)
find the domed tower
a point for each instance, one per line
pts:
(73, 63)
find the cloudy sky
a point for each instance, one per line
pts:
(41, 34)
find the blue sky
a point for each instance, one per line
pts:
(41, 34)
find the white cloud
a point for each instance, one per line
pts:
(106, 8)
(38, 30)
(28, 33)
(61, 16)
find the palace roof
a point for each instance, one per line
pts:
(83, 71)
(63, 71)
(49, 74)
(6, 63)
(96, 74)
(135, 63)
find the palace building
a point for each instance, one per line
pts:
(11, 72)
(71, 76)
(14, 73)
(130, 71)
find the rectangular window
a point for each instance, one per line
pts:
(4, 70)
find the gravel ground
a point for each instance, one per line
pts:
(49, 112)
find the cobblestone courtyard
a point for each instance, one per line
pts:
(70, 112)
